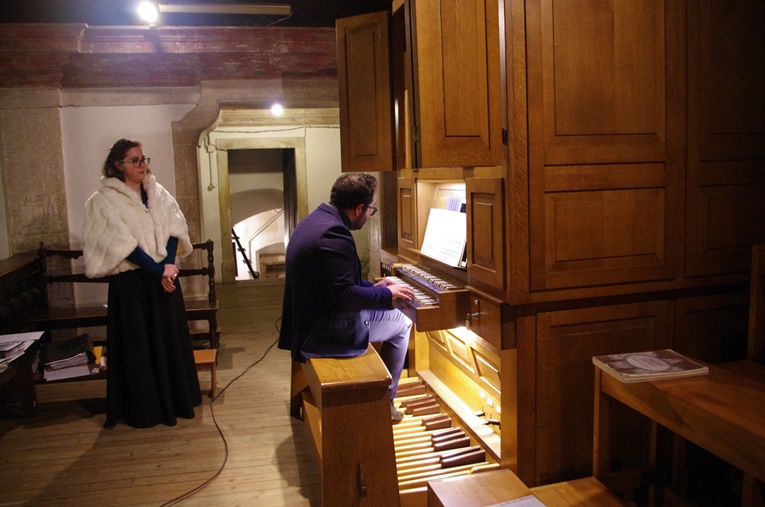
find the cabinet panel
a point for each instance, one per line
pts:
(485, 232)
(726, 135)
(457, 81)
(605, 142)
(599, 78)
(603, 224)
(566, 342)
(366, 117)
(407, 214)
(712, 328)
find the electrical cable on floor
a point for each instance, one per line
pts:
(209, 481)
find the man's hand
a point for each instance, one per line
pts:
(396, 290)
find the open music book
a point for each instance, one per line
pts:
(445, 236)
(649, 365)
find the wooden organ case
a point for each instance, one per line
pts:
(614, 220)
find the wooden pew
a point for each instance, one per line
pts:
(346, 408)
(49, 318)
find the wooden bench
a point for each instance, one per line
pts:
(48, 318)
(346, 408)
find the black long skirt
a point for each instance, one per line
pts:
(150, 377)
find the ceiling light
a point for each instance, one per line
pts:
(148, 12)
(260, 9)
(277, 109)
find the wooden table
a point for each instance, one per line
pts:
(17, 386)
(723, 412)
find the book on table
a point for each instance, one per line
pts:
(649, 365)
(79, 370)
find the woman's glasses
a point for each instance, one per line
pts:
(138, 161)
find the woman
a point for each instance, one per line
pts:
(133, 231)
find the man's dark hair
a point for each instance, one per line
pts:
(352, 189)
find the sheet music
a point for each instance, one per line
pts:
(21, 337)
(445, 236)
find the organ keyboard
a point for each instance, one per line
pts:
(439, 303)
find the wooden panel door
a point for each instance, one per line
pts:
(566, 342)
(366, 111)
(605, 142)
(726, 135)
(407, 215)
(485, 232)
(712, 328)
(458, 85)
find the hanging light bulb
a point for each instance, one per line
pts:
(277, 109)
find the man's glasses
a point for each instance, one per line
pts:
(373, 208)
(138, 161)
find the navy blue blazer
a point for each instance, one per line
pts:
(323, 290)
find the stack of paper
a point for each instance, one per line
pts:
(69, 358)
(14, 345)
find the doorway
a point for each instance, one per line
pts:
(262, 208)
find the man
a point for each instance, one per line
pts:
(328, 310)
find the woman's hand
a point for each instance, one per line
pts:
(168, 277)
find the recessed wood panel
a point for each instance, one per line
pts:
(712, 328)
(602, 81)
(726, 221)
(485, 234)
(566, 342)
(407, 214)
(458, 93)
(461, 352)
(488, 371)
(726, 135)
(727, 78)
(603, 224)
(366, 111)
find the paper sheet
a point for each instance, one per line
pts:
(445, 236)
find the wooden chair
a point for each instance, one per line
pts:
(207, 359)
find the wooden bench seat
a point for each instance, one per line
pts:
(586, 492)
(346, 408)
(198, 308)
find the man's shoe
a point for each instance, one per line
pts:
(395, 414)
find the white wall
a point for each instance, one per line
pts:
(89, 132)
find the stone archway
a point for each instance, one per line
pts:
(218, 95)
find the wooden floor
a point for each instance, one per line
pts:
(64, 456)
